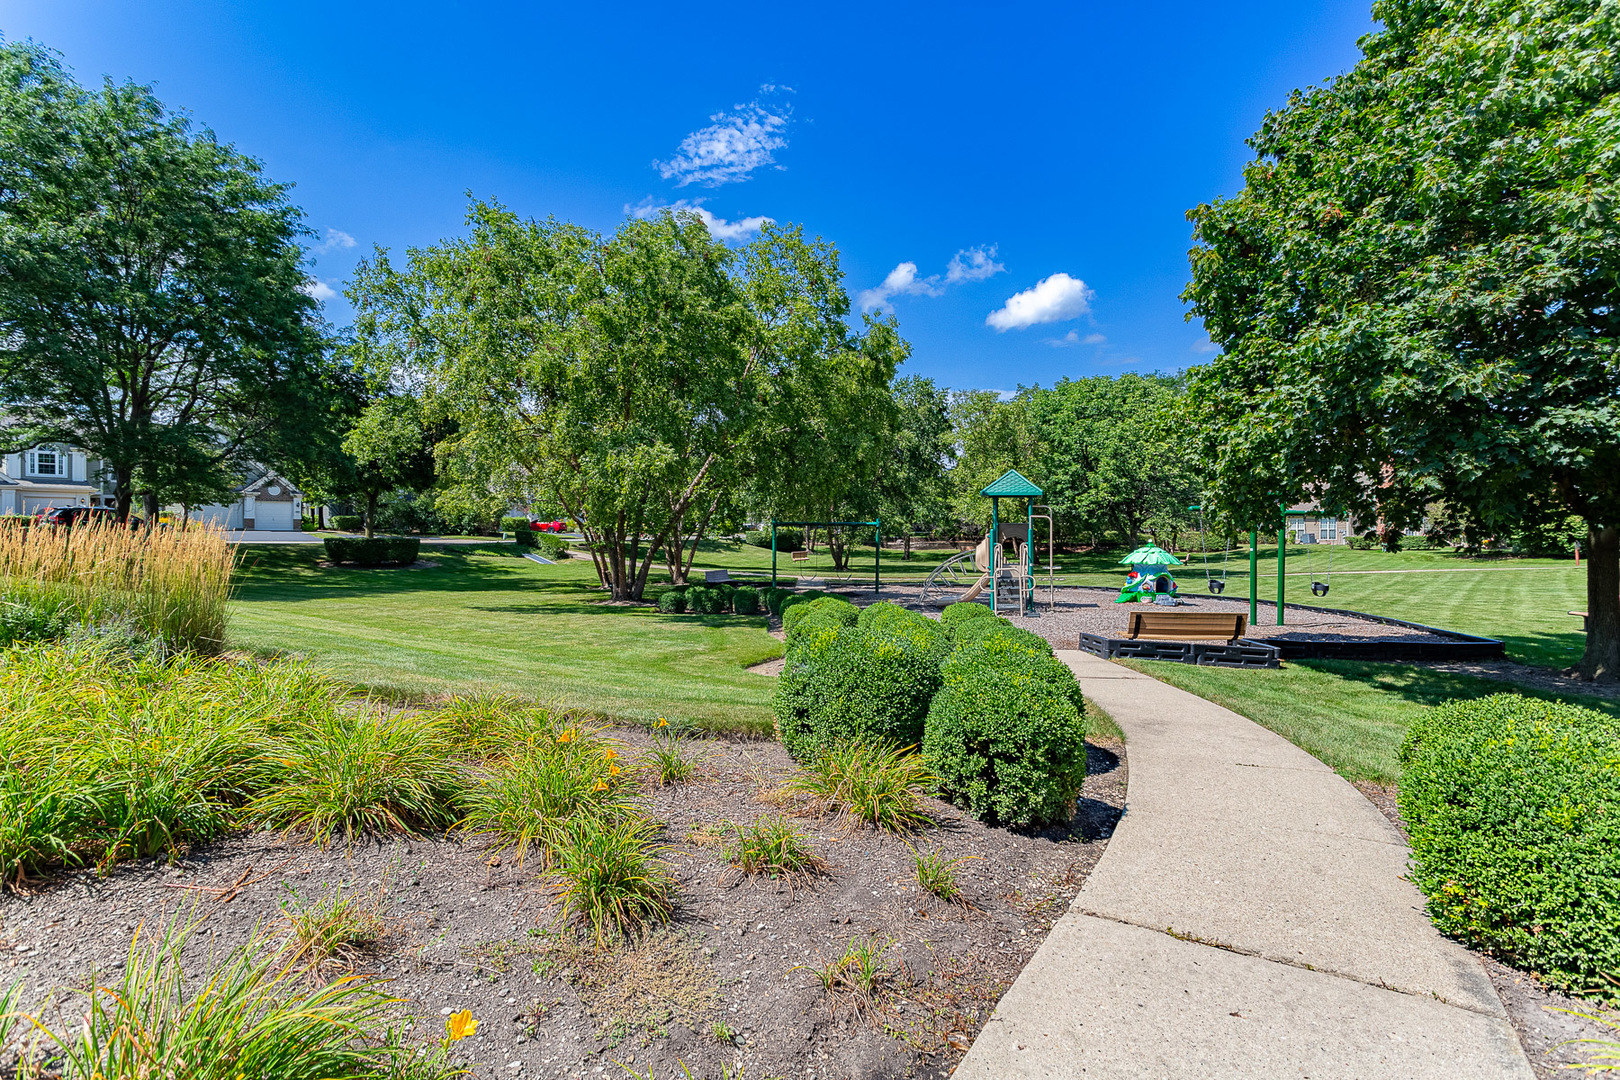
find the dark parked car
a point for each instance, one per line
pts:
(69, 516)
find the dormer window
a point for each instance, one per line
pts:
(46, 463)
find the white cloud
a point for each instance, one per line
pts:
(733, 146)
(973, 264)
(719, 227)
(1053, 299)
(1073, 338)
(969, 264)
(902, 280)
(318, 289)
(1205, 347)
(335, 239)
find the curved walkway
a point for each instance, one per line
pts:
(1250, 918)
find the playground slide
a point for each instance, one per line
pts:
(978, 587)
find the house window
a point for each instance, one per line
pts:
(1330, 529)
(47, 463)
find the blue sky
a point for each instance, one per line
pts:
(1010, 181)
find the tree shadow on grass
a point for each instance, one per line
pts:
(1428, 687)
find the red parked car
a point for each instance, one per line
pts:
(547, 526)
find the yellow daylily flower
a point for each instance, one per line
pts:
(661, 722)
(613, 770)
(601, 785)
(609, 754)
(460, 1025)
(567, 736)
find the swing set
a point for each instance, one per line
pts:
(1217, 585)
(848, 574)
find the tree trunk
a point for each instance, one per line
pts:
(122, 493)
(1602, 659)
(371, 513)
(907, 555)
(149, 503)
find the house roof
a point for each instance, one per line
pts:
(265, 478)
(1011, 484)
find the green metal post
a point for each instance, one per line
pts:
(877, 558)
(1254, 576)
(995, 549)
(773, 553)
(1282, 562)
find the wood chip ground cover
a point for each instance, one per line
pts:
(736, 979)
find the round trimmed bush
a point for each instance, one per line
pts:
(773, 600)
(884, 613)
(552, 547)
(830, 609)
(1513, 808)
(704, 600)
(1006, 740)
(843, 682)
(958, 613)
(745, 601)
(672, 602)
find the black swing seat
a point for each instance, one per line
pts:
(1217, 585)
(1320, 588)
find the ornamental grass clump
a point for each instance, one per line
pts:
(553, 770)
(771, 847)
(1513, 808)
(364, 771)
(607, 876)
(251, 1013)
(669, 761)
(877, 784)
(168, 584)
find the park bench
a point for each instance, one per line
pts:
(716, 577)
(1152, 625)
(1583, 617)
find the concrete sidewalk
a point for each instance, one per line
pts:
(1249, 919)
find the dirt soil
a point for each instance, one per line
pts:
(732, 982)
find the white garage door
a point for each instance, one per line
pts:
(274, 516)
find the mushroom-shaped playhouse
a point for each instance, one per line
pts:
(1150, 580)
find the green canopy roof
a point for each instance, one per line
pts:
(1012, 484)
(1150, 555)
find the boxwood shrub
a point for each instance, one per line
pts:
(745, 600)
(703, 600)
(520, 529)
(377, 551)
(823, 610)
(844, 682)
(551, 546)
(955, 614)
(672, 602)
(346, 522)
(774, 597)
(1513, 808)
(1006, 737)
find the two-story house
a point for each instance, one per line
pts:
(35, 480)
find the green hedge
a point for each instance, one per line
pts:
(955, 614)
(774, 598)
(786, 539)
(821, 611)
(1513, 808)
(1006, 737)
(844, 682)
(377, 551)
(346, 522)
(520, 529)
(551, 546)
(672, 602)
(745, 600)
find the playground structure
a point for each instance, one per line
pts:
(1217, 585)
(1150, 580)
(964, 577)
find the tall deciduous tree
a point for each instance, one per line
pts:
(913, 479)
(151, 303)
(389, 447)
(1417, 292)
(635, 380)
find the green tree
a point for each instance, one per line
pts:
(914, 481)
(151, 302)
(991, 435)
(636, 380)
(390, 448)
(1417, 291)
(1111, 456)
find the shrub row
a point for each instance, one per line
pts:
(1513, 807)
(716, 599)
(551, 545)
(375, 551)
(786, 539)
(346, 522)
(998, 718)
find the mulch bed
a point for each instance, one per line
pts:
(731, 982)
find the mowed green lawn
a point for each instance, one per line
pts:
(1350, 715)
(486, 619)
(1523, 602)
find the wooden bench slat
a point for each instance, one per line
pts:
(1186, 625)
